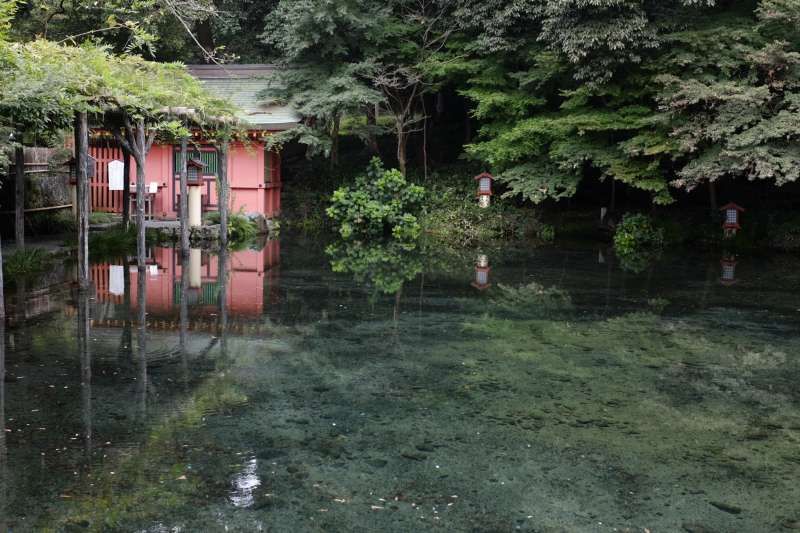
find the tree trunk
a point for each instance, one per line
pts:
(402, 146)
(81, 165)
(712, 198)
(184, 319)
(126, 189)
(126, 342)
(613, 206)
(84, 334)
(223, 193)
(335, 141)
(223, 300)
(141, 339)
(19, 196)
(2, 297)
(140, 153)
(3, 446)
(372, 122)
(184, 207)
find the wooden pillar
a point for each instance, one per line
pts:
(19, 195)
(223, 192)
(81, 165)
(126, 189)
(183, 210)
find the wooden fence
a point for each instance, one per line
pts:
(103, 199)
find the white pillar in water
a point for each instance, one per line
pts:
(195, 268)
(195, 206)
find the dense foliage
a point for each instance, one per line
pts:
(637, 241)
(381, 204)
(660, 96)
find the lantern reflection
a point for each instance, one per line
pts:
(728, 275)
(482, 270)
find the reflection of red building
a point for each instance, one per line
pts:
(252, 281)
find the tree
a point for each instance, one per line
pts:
(158, 29)
(572, 97)
(742, 121)
(345, 56)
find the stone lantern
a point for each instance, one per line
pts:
(731, 223)
(485, 182)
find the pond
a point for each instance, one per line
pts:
(494, 390)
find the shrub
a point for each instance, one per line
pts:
(381, 204)
(241, 229)
(637, 241)
(25, 262)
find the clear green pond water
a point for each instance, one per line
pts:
(567, 396)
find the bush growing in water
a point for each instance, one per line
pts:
(637, 241)
(381, 204)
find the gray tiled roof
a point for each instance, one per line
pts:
(241, 84)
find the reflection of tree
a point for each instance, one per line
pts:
(382, 265)
(223, 300)
(141, 340)
(83, 336)
(3, 451)
(184, 316)
(531, 301)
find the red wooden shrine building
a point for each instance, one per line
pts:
(254, 172)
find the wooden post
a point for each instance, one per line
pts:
(19, 195)
(81, 162)
(223, 192)
(126, 189)
(184, 207)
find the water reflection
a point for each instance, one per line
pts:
(250, 285)
(569, 394)
(482, 270)
(728, 274)
(383, 266)
(4, 479)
